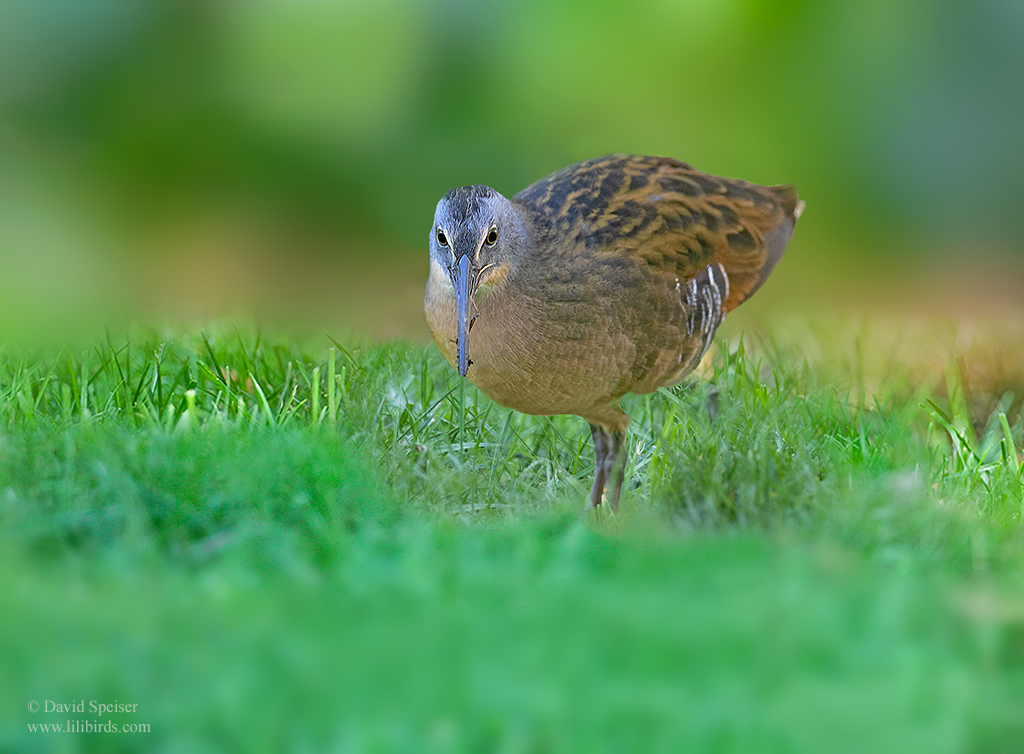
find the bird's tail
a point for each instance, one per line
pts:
(777, 238)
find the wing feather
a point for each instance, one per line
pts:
(669, 216)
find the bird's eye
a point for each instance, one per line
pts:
(492, 237)
(441, 237)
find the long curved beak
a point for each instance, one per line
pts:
(463, 281)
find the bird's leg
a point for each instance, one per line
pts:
(601, 443)
(615, 466)
(712, 403)
(610, 458)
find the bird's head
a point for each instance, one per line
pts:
(473, 242)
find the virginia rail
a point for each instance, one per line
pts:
(605, 278)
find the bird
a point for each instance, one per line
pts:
(607, 277)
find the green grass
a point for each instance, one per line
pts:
(275, 546)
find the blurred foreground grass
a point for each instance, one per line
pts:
(270, 545)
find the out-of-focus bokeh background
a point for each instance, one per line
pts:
(298, 546)
(193, 158)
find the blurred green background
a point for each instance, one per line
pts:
(285, 156)
(836, 558)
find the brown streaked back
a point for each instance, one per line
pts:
(667, 215)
